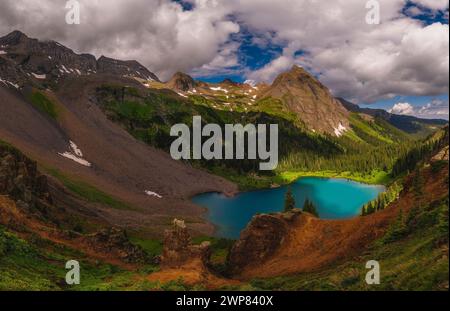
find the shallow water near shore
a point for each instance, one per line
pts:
(333, 198)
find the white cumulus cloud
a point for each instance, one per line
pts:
(433, 4)
(402, 108)
(435, 109)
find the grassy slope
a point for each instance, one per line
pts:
(43, 104)
(40, 265)
(375, 178)
(364, 129)
(26, 266)
(148, 117)
(88, 192)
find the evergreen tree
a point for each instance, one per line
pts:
(289, 201)
(443, 221)
(309, 207)
(412, 216)
(418, 183)
(397, 230)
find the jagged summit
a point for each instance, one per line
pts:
(181, 82)
(23, 58)
(310, 100)
(14, 37)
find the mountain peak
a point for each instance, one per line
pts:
(310, 100)
(229, 82)
(181, 82)
(297, 76)
(13, 38)
(296, 67)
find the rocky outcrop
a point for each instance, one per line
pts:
(260, 240)
(21, 181)
(115, 242)
(442, 155)
(181, 82)
(179, 250)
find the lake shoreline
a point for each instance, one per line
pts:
(335, 198)
(288, 177)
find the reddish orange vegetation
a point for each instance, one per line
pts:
(313, 243)
(192, 273)
(25, 225)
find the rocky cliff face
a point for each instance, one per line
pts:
(310, 100)
(178, 249)
(260, 240)
(20, 180)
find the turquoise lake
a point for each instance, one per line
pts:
(333, 198)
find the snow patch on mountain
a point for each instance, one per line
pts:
(340, 130)
(73, 157)
(75, 149)
(75, 154)
(9, 83)
(252, 83)
(217, 89)
(64, 69)
(153, 194)
(40, 77)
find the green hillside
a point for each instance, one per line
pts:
(370, 147)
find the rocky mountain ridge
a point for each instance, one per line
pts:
(24, 60)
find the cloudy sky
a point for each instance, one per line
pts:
(402, 64)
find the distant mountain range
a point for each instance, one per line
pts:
(405, 123)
